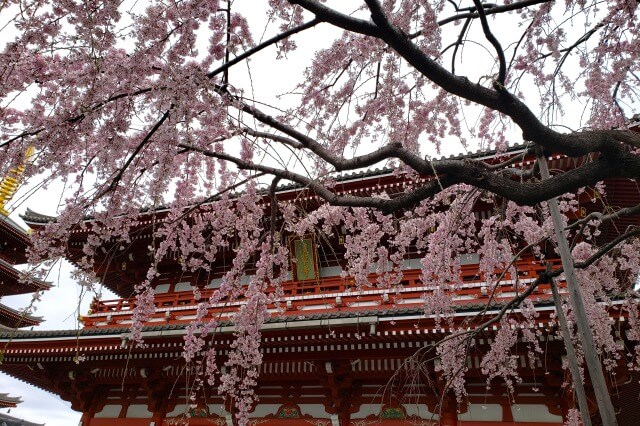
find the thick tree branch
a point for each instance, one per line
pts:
(533, 129)
(451, 172)
(336, 18)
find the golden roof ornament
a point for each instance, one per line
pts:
(11, 182)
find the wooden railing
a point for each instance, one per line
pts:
(318, 294)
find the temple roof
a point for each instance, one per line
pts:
(8, 223)
(13, 241)
(397, 313)
(7, 401)
(31, 216)
(14, 421)
(12, 281)
(11, 318)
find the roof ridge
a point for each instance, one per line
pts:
(31, 216)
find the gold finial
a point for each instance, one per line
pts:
(11, 182)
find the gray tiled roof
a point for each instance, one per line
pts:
(35, 217)
(8, 420)
(37, 283)
(10, 399)
(13, 225)
(396, 312)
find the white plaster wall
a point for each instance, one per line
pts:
(245, 279)
(411, 264)
(217, 409)
(330, 271)
(482, 413)
(161, 288)
(183, 286)
(108, 412)
(215, 283)
(314, 410)
(139, 411)
(469, 259)
(533, 413)
(420, 410)
(367, 410)
(180, 409)
(263, 410)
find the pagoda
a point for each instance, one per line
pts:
(13, 245)
(14, 242)
(332, 355)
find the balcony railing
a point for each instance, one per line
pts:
(332, 293)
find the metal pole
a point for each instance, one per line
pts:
(578, 386)
(605, 407)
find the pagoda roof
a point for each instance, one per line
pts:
(12, 281)
(14, 421)
(11, 318)
(13, 241)
(7, 401)
(31, 216)
(7, 223)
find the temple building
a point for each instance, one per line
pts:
(332, 355)
(14, 242)
(13, 245)
(7, 401)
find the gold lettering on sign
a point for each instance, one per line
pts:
(304, 258)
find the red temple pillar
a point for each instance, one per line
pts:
(448, 410)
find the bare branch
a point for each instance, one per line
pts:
(263, 45)
(502, 73)
(607, 248)
(286, 141)
(627, 211)
(116, 179)
(493, 10)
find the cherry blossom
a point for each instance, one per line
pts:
(152, 108)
